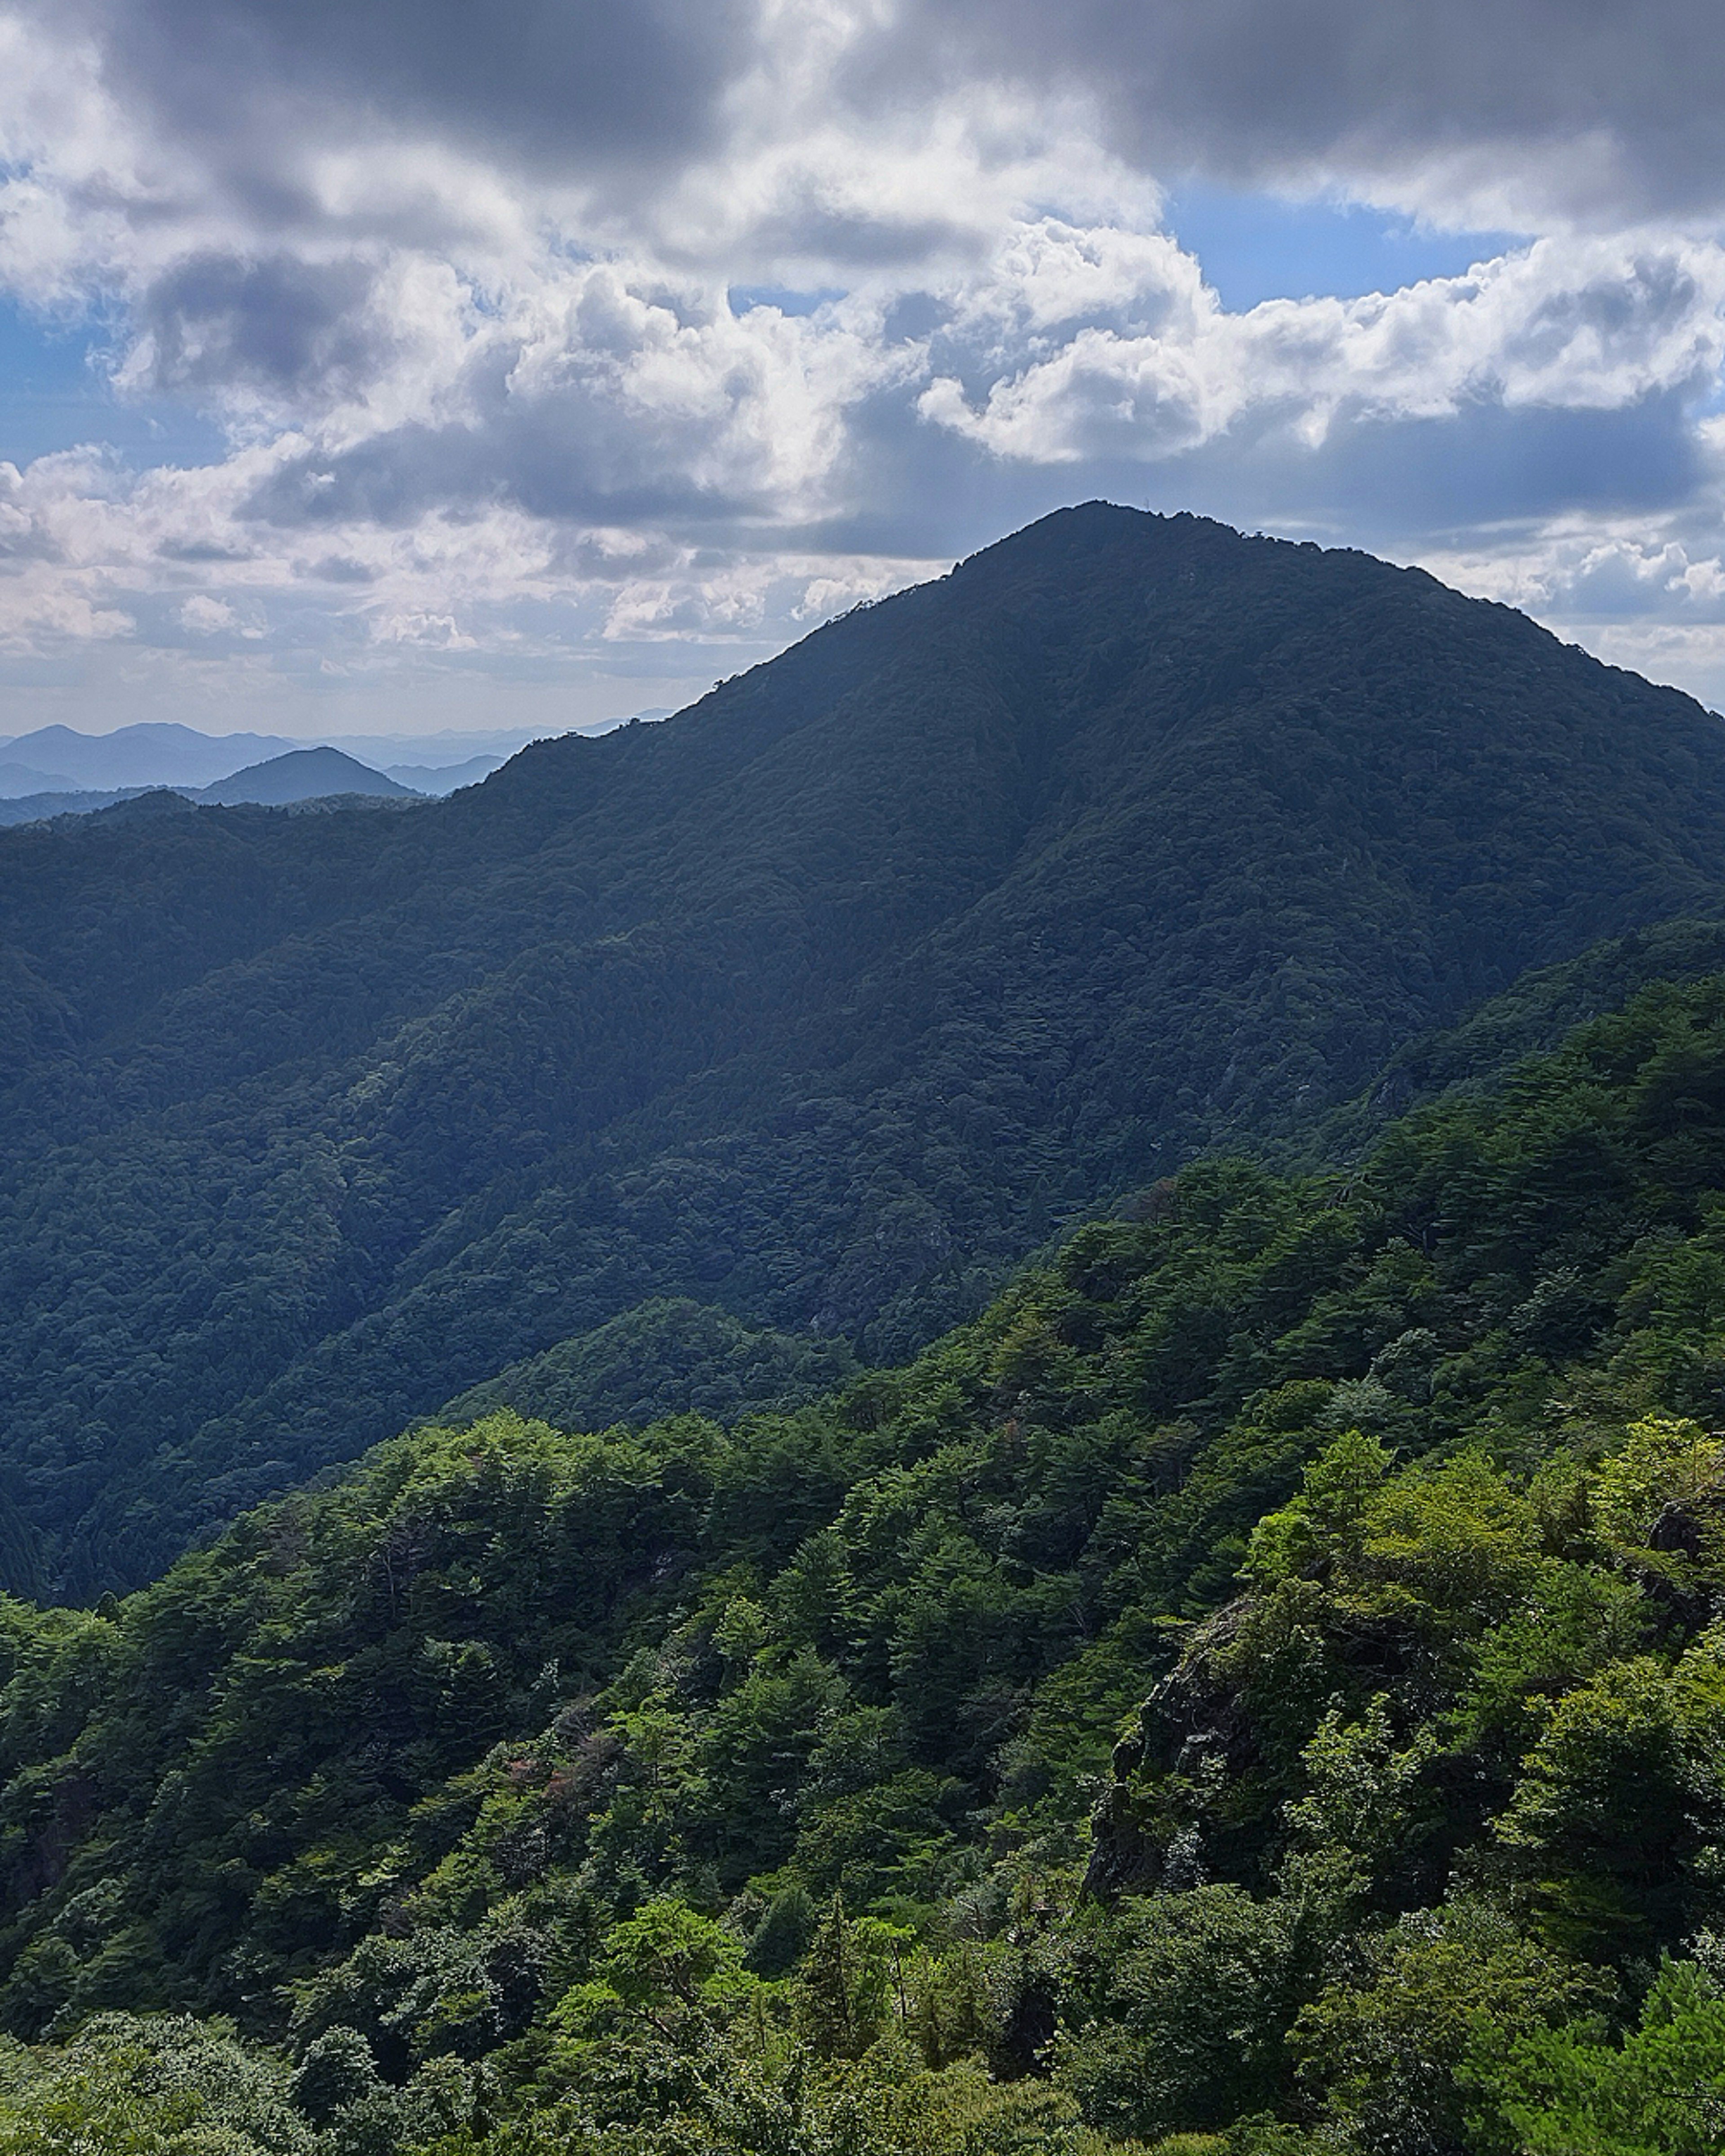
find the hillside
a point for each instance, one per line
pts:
(302, 774)
(17, 778)
(823, 1003)
(445, 777)
(150, 754)
(760, 1789)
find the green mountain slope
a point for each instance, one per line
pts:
(507, 1783)
(823, 1003)
(661, 1358)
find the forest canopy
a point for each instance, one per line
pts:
(821, 1006)
(1257, 1690)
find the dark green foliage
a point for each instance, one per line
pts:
(663, 1358)
(1180, 2020)
(823, 1003)
(1255, 1692)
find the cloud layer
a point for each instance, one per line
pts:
(1566, 110)
(580, 345)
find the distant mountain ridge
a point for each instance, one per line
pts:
(59, 761)
(153, 753)
(303, 774)
(16, 778)
(444, 778)
(300, 777)
(821, 1003)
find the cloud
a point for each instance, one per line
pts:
(1494, 114)
(207, 617)
(561, 88)
(1588, 326)
(568, 335)
(223, 325)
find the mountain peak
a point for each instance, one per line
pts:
(820, 1001)
(303, 774)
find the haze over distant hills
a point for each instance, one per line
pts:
(822, 1003)
(444, 778)
(303, 774)
(17, 779)
(56, 761)
(152, 754)
(295, 778)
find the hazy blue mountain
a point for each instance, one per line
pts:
(154, 753)
(446, 745)
(303, 774)
(19, 778)
(439, 779)
(822, 1003)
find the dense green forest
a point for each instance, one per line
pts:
(820, 1006)
(661, 1358)
(1257, 1690)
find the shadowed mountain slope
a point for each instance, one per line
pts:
(820, 1002)
(303, 774)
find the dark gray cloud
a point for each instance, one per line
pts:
(292, 328)
(567, 88)
(1610, 110)
(1260, 90)
(552, 459)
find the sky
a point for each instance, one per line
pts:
(386, 365)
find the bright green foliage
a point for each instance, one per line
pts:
(661, 1967)
(1261, 1681)
(126, 2087)
(1659, 2091)
(1666, 1462)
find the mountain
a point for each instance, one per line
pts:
(445, 777)
(17, 778)
(151, 754)
(303, 774)
(823, 1003)
(90, 801)
(1258, 1690)
(663, 1358)
(437, 750)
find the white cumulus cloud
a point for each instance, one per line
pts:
(635, 335)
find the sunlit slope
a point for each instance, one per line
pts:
(400, 1753)
(821, 1003)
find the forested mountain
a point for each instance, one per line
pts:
(150, 754)
(303, 774)
(822, 1003)
(765, 1788)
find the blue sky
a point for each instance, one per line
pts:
(372, 370)
(1254, 246)
(55, 395)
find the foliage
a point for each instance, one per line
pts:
(1660, 2091)
(822, 1005)
(1256, 1691)
(664, 1358)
